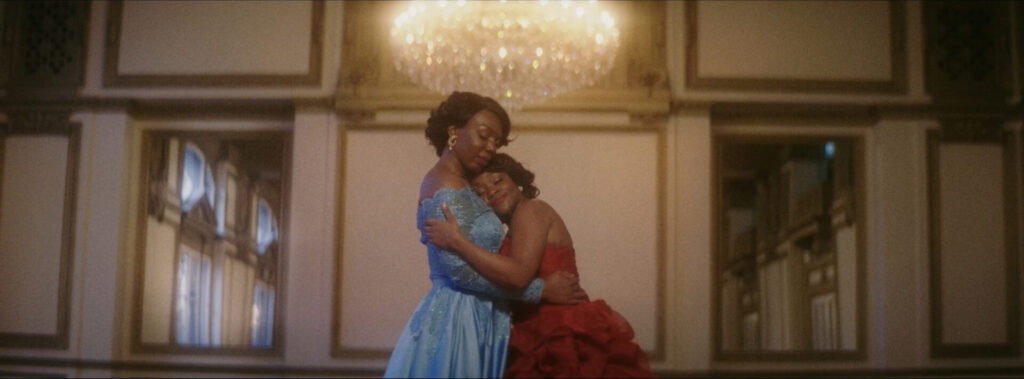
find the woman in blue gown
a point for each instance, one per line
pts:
(461, 327)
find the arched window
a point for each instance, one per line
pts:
(266, 226)
(219, 263)
(196, 178)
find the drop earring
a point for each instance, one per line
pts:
(451, 142)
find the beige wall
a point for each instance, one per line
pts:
(31, 225)
(610, 205)
(174, 37)
(605, 187)
(794, 40)
(620, 183)
(384, 266)
(972, 243)
(158, 295)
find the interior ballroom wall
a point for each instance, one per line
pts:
(628, 164)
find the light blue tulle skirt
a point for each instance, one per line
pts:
(452, 334)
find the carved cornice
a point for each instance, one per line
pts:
(263, 109)
(645, 109)
(950, 110)
(34, 103)
(863, 114)
(972, 130)
(37, 122)
(854, 114)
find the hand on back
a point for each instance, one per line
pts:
(563, 288)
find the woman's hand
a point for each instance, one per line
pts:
(563, 288)
(443, 233)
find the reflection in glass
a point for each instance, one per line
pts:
(193, 303)
(211, 245)
(262, 315)
(192, 176)
(787, 247)
(266, 227)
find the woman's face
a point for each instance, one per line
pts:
(478, 140)
(499, 191)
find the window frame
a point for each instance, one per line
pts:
(202, 223)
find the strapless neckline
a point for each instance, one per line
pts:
(555, 258)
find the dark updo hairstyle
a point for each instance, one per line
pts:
(522, 177)
(456, 110)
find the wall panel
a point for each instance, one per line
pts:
(38, 167)
(216, 43)
(795, 45)
(382, 265)
(605, 183)
(974, 252)
(33, 208)
(972, 244)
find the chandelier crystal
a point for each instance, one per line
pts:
(517, 52)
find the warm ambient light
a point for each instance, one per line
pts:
(518, 52)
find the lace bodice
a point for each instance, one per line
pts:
(461, 327)
(478, 223)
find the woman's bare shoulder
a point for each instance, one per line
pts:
(536, 208)
(541, 214)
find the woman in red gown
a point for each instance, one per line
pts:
(587, 339)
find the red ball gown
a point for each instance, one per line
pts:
(571, 341)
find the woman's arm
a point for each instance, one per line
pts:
(527, 245)
(459, 272)
(463, 276)
(559, 287)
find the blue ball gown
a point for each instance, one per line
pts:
(461, 327)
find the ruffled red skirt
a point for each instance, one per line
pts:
(571, 341)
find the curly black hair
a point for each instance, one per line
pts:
(456, 110)
(522, 177)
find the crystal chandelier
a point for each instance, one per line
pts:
(517, 52)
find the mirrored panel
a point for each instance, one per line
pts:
(788, 247)
(208, 261)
